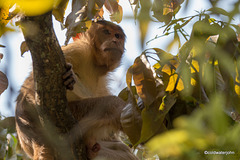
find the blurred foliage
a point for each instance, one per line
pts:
(182, 107)
(83, 11)
(9, 147)
(189, 104)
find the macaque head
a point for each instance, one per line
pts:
(108, 41)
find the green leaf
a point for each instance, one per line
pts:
(217, 10)
(9, 124)
(129, 78)
(153, 117)
(124, 94)
(59, 11)
(143, 76)
(217, 121)
(237, 27)
(167, 102)
(185, 73)
(3, 142)
(131, 122)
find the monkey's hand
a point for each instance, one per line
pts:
(68, 77)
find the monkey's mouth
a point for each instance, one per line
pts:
(113, 50)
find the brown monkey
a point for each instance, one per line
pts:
(97, 52)
(105, 41)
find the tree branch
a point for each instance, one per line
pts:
(48, 68)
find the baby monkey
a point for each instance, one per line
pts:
(97, 52)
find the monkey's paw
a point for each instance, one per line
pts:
(68, 77)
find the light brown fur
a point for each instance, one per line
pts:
(97, 52)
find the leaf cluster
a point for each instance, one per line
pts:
(200, 85)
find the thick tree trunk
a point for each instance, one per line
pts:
(48, 68)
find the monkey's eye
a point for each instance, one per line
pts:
(106, 31)
(117, 35)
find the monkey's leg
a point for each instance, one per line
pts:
(30, 132)
(114, 150)
(99, 120)
(32, 141)
(42, 152)
(98, 113)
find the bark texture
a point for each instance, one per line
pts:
(48, 68)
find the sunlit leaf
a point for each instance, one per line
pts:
(129, 77)
(167, 102)
(175, 143)
(4, 15)
(3, 82)
(199, 131)
(237, 85)
(36, 7)
(4, 12)
(193, 82)
(100, 13)
(59, 10)
(156, 66)
(194, 66)
(173, 81)
(117, 16)
(211, 20)
(158, 7)
(170, 68)
(143, 76)
(164, 10)
(167, 144)
(115, 10)
(82, 11)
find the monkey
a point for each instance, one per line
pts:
(96, 53)
(106, 43)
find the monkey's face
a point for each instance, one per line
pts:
(109, 43)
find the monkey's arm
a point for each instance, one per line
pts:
(80, 89)
(76, 90)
